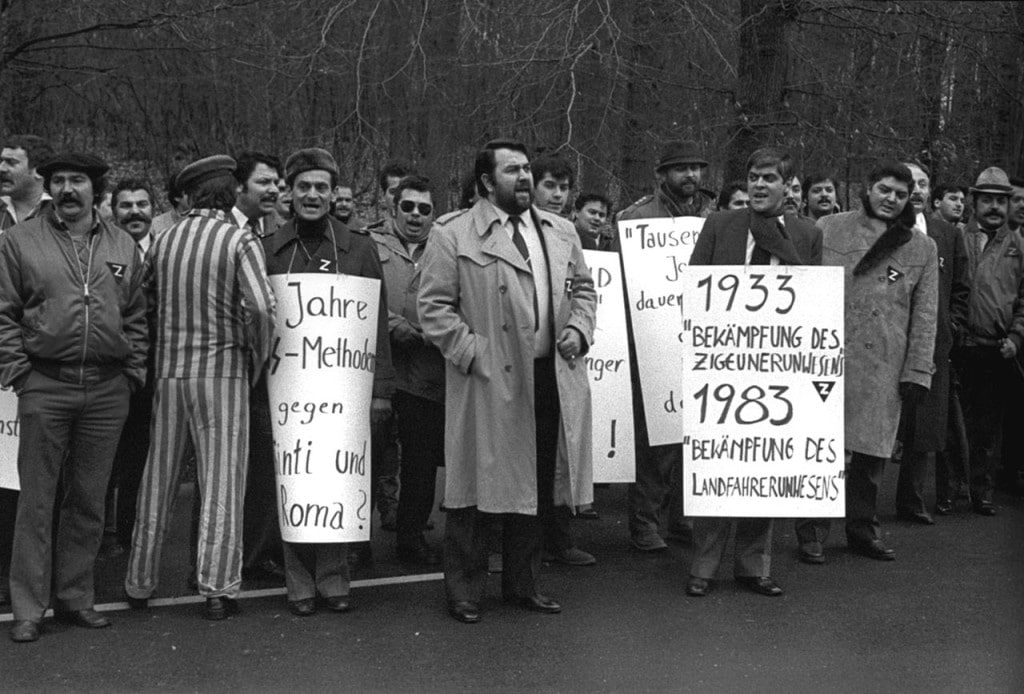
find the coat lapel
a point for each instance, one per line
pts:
(767, 236)
(496, 241)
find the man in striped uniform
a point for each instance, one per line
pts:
(212, 312)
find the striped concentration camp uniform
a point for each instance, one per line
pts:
(212, 311)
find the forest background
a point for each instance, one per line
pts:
(151, 84)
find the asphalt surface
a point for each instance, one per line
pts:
(947, 616)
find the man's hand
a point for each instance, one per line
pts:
(404, 333)
(380, 410)
(1007, 348)
(912, 393)
(570, 344)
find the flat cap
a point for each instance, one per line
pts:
(680, 152)
(310, 159)
(992, 180)
(89, 164)
(204, 169)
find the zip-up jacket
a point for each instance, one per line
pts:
(995, 272)
(76, 319)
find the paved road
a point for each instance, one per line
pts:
(947, 616)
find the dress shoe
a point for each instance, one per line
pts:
(873, 550)
(697, 587)
(337, 603)
(88, 618)
(984, 508)
(220, 608)
(536, 603)
(419, 552)
(944, 507)
(464, 611)
(24, 631)
(137, 603)
(812, 553)
(574, 556)
(762, 585)
(588, 513)
(648, 542)
(921, 517)
(302, 608)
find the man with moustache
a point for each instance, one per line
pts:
(344, 204)
(257, 175)
(659, 468)
(820, 193)
(73, 346)
(995, 328)
(794, 203)
(508, 299)
(22, 193)
(948, 204)
(757, 235)
(927, 425)
(891, 278)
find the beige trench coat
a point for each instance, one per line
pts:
(891, 314)
(476, 305)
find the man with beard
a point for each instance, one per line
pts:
(59, 272)
(507, 297)
(22, 194)
(948, 204)
(820, 191)
(257, 175)
(891, 278)
(590, 216)
(995, 328)
(316, 242)
(926, 426)
(344, 204)
(659, 468)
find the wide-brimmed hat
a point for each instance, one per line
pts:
(992, 180)
(205, 169)
(89, 164)
(680, 152)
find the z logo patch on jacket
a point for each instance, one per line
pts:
(325, 265)
(893, 275)
(1012, 252)
(117, 270)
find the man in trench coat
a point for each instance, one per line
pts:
(508, 299)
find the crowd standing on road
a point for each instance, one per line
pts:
(138, 342)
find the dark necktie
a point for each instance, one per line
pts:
(520, 244)
(254, 226)
(762, 257)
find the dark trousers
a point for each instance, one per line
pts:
(129, 464)
(753, 546)
(69, 433)
(467, 530)
(8, 513)
(863, 478)
(421, 433)
(261, 535)
(989, 382)
(951, 474)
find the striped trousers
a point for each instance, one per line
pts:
(211, 417)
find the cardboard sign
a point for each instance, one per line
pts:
(763, 390)
(610, 375)
(654, 253)
(320, 382)
(8, 439)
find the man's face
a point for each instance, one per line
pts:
(767, 190)
(951, 206)
(922, 189)
(284, 199)
(793, 196)
(550, 194)
(15, 175)
(510, 186)
(257, 197)
(591, 217)
(990, 209)
(343, 203)
(312, 195)
(821, 198)
(133, 212)
(739, 200)
(1016, 214)
(72, 194)
(415, 213)
(682, 180)
(888, 197)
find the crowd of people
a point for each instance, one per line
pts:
(137, 345)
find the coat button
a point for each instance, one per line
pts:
(505, 327)
(508, 368)
(502, 288)
(869, 345)
(874, 312)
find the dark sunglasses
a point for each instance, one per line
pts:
(408, 206)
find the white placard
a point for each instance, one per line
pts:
(763, 391)
(654, 252)
(8, 439)
(609, 372)
(320, 382)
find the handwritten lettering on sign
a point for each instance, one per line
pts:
(762, 384)
(320, 382)
(610, 377)
(655, 253)
(9, 426)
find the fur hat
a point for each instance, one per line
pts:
(311, 159)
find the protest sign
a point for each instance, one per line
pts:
(609, 372)
(763, 391)
(320, 382)
(8, 439)
(654, 252)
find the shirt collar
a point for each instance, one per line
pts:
(289, 233)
